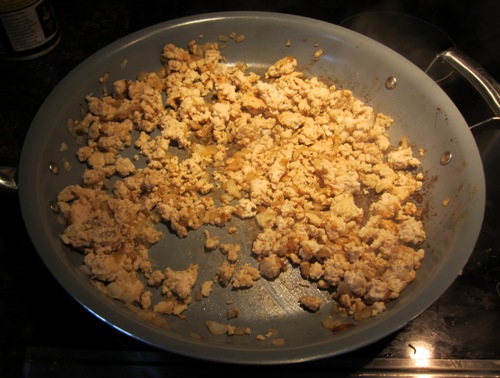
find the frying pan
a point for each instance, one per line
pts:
(420, 109)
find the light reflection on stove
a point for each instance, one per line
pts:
(421, 353)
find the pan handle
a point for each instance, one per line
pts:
(481, 80)
(8, 179)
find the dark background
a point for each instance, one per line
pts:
(35, 311)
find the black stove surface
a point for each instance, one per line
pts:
(45, 332)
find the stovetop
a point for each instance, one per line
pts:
(45, 332)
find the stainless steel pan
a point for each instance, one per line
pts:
(422, 111)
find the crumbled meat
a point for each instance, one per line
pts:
(225, 273)
(231, 251)
(177, 287)
(206, 288)
(211, 243)
(244, 277)
(311, 302)
(311, 164)
(233, 313)
(218, 328)
(271, 266)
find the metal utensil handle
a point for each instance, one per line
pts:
(477, 76)
(8, 178)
